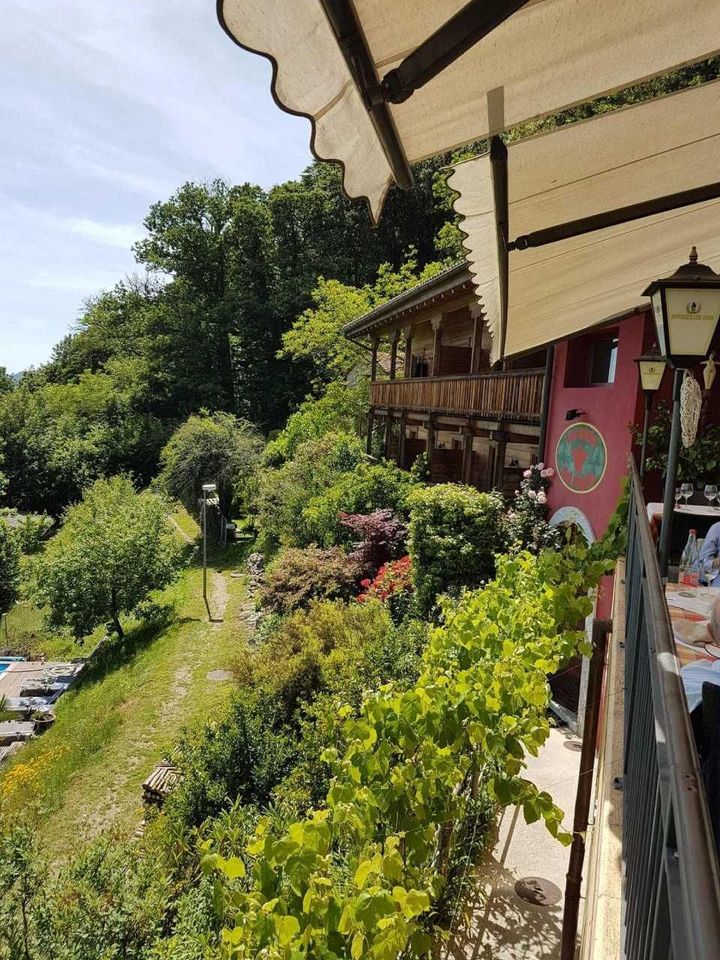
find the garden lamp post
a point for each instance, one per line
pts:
(207, 489)
(651, 368)
(686, 307)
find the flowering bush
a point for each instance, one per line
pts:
(298, 576)
(526, 526)
(393, 585)
(381, 537)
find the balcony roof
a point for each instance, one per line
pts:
(385, 85)
(452, 282)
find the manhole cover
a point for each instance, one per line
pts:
(536, 890)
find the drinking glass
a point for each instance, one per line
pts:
(711, 492)
(686, 491)
(678, 494)
(708, 572)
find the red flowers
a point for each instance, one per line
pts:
(392, 577)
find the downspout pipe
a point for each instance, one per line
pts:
(545, 403)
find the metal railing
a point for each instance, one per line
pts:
(671, 878)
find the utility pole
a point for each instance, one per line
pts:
(207, 488)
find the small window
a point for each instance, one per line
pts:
(604, 360)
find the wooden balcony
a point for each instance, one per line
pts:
(512, 395)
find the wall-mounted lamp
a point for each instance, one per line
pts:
(574, 414)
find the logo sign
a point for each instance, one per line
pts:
(693, 307)
(581, 457)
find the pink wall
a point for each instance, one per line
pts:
(610, 408)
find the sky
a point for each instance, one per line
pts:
(105, 107)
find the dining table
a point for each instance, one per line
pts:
(697, 516)
(698, 651)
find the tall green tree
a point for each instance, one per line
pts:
(9, 567)
(115, 546)
(217, 448)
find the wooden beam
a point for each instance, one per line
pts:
(436, 324)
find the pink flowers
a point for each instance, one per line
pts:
(527, 474)
(531, 494)
(541, 497)
(547, 472)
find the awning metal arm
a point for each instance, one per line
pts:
(351, 40)
(612, 218)
(499, 168)
(474, 21)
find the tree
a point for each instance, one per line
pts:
(214, 447)
(9, 567)
(115, 546)
(316, 336)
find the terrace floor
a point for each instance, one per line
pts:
(31, 673)
(502, 925)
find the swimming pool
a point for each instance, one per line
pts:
(6, 661)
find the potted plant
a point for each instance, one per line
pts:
(43, 719)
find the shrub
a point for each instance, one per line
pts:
(369, 487)
(526, 526)
(381, 537)
(243, 756)
(285, 492)
(298, 576)
(392, 585)
(455, 532)
(332, 650)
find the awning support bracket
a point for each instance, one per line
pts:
(612, 218)
(470, 24)
(499, 168)
(351, 40)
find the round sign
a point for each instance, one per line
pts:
(581, 457)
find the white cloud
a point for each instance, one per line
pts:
(122, 235)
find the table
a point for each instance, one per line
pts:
(696, 516)
(690, 619)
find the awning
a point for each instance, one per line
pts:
(352, 67)
(663, 154)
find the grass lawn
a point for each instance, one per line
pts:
(85, 774)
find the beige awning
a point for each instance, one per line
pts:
(548, 55)
(632, 156)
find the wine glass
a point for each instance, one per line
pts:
(678, 494)
(686, 491)
(711, 492)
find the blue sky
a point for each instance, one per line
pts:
(107, 106)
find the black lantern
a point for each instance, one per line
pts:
(651, 367)
(686, 308)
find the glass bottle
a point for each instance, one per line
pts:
(690, 562)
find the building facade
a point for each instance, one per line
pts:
(440, 398)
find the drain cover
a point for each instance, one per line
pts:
(536, 890)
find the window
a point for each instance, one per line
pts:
(604, 360)
(592, 359)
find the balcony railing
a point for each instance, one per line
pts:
(672, 881)
(512, 394)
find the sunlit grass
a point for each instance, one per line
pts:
(85, 774)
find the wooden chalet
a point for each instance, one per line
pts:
(440, 396)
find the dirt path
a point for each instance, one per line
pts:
(219, 598)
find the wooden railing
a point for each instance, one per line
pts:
(513, 394)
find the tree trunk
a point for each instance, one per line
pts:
(114, 614)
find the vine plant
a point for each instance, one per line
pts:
(357, 879)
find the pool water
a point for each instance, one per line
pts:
(6, 661)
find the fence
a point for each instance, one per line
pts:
(672, 880)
